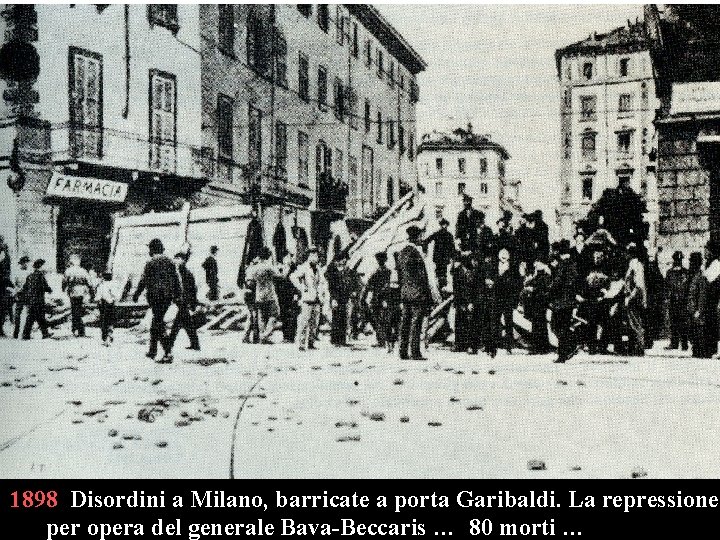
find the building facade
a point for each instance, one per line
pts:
(309, 110)
(684, 52)
(607, 136)
(100, 117)
(452, 165)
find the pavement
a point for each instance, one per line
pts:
(74, 409)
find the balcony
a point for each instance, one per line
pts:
(331, 194)
(118, 149)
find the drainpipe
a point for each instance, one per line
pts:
(126, 108)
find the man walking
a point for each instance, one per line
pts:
(676, 285)
(507, 291)
(160, 278)
(340, 287)
(263, 275)
(562, 294)
(76, 282)
(186, 303)
(375, 295)
(34, 293)
(415, 295)
(307, 280)
(211, 274)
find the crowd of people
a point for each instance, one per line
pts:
(593, 293)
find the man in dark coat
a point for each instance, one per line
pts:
(508, 287)
(160, 278)
(5, 284)
(485, 243)
(466, 226)
(288, 297)
(524, 242)
(676, 288)
(415, 295)
(34, 297)
(536, 305)
(253, 244)
(186, 303)
(375, 294)
(541, 235)
(505, 238)
(697, 307)
(341, 285)
(487, 304)
(562, 292)
(466, 284)
(443, 251)
(210, 266)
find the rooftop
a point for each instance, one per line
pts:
(460, 139)
(628, 38)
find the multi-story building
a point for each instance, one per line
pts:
(310, 112)
(452, 165)
(684, 42)
(607, 109)
(100, 117)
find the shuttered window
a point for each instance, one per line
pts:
(86, 119)
(163, 118)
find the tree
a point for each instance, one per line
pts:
(620, 211)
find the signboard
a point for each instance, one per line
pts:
(695, 97)
(79, 187)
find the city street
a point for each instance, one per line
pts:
(72, 408)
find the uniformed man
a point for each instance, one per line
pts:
(676, 285)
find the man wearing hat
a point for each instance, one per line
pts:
(34, 293)
(541, 235)
(467, 224)
(562, 292)
(21, 275)
(375, 294)
(676, 285)
(415, 295)
(697, 306)
(505, 235)
(307, 279)
(160, 278)
(443, 251)
(5, 285)
(187, 303)
(211, 274)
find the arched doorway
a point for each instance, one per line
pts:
(83, 229)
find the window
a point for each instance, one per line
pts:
(368, 53)
(411, 147)
(624, 67)
(391, 73)
(401, 78)
(401, 138)
(588, 146)
(624, 180)
(587, 188)
(461, 188)
(379, 128)
(355, 47)
(281, 60)
(501, 169)
(323, 17)
(85, 74)
(164, 15)
(353, 177)
(338, 98)
(587, 70)
(322, 87)
(163, 119)
(253, 44)
(305, 10)
(323, 161)
(568, 70)
(281, 150)
(567, 147)
(303, 159)
(624, 142)
(390, 191)
(226, 28)
(380, 66)
(303, 78)
(588, 106)
(367, 115)
(254, 138)
(351, 106)
(483, 188)
(438, 189)
(483, 166)
(339, 165)
(439, 165)
(225, 126)
(461, 165)
(366, 187)
(414, 92)
(625, 103)
(391, 134)
(339, 24)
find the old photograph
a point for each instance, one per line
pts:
(359, 241)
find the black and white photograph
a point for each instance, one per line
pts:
(359, 241)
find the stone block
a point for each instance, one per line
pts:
(690, 177)
(666, 209)
(667, 179)
(693, 207)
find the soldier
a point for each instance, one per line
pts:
(487, 304)
(466, 282)
(485, 237)
(505, 238)
(466, 226)
(375, 294)
(676, 285)
(340, 283)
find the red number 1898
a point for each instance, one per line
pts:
(34, 499)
